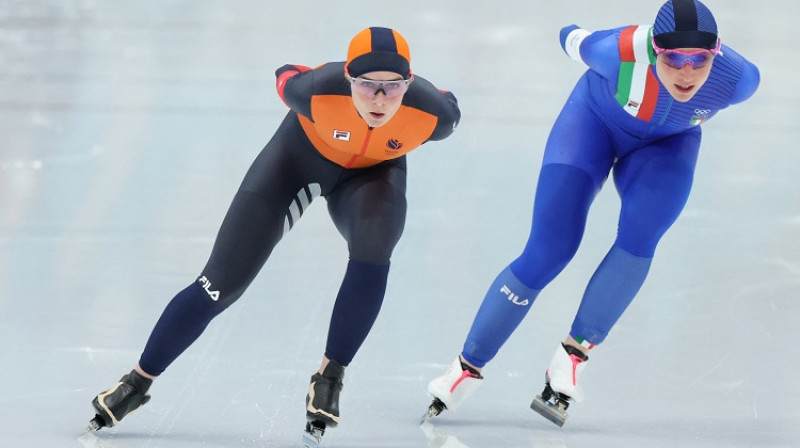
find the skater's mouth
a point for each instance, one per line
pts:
(377, 115)
(684, 87)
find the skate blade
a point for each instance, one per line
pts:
(311, 440)
(312, 435)
(549, 411)
(436, 408)
(427, 416)
(91, 440)
(94, 425)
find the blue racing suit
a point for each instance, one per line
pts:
(619, 118)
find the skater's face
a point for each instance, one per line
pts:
(682, 81)
(378, 95)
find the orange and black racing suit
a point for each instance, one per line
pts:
(322, 148)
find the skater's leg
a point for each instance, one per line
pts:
(562, 203)
(191, 310)
(654, 184)
(504, 306)
(369, 211)
(245, 240)
(611, 289)
(577, 160)
(261, 212)
(563, 197)
(253, 225)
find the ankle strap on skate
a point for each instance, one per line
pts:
(574, 351)
(473, 372)
(139, 381)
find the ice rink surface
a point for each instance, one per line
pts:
(127, 127)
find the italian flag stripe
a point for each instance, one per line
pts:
(624, 82)
(641, 44)
(638, 82)
(637, 87)
(626, 52)
(650, 97)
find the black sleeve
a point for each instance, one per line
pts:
(449, 117)
(298, 88)
(425, 96)
(326, 79)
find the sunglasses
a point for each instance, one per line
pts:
(679, 58)
(371, 87)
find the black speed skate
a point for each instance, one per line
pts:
(322, 403)
(128, 395)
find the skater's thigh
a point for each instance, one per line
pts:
(580, 139)
(369, 210)
(654, 184)
(281, 183)
(245, 240)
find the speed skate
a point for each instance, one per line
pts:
(562, 384)
(551, 405)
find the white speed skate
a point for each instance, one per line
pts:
(452, 388)
(562, 384)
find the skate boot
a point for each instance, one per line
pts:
(322, 403)
(562, 384)
(452, 388)
(128, 395)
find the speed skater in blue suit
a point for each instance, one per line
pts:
(636, 113)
